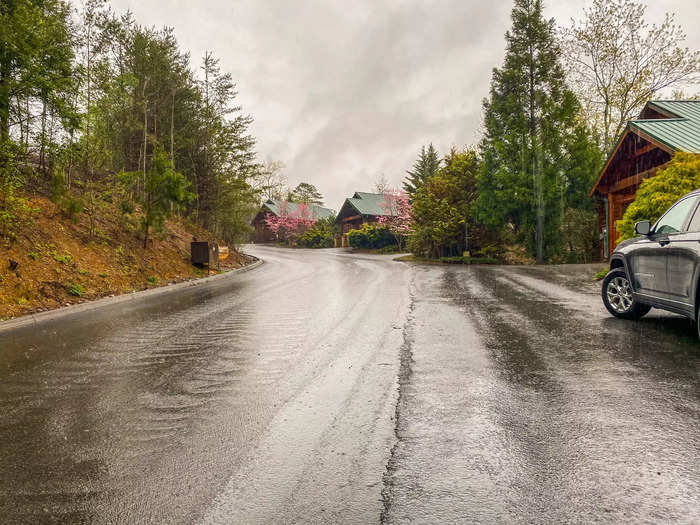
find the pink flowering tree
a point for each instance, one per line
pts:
(397, 215)
(288, 226)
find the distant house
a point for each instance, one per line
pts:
(275, 207)
(359, 209)
(646, 144)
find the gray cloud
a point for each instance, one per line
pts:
(341, 91)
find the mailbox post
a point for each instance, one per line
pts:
(203, 252)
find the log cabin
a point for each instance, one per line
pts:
(361, 208)
(645, 146)
(263, 234)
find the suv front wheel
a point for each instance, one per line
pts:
(618, 297)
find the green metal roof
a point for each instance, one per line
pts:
(681, 133)
(317, 212)
(368, 203)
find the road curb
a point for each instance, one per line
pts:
(35, 318)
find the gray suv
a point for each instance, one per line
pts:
(660, 268)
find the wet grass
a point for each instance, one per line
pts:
(601, 274)
(449, 260)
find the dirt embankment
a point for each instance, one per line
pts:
(56, 261)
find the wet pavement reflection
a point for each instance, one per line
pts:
(331, 387)
(550, 411)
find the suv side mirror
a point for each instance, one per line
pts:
(642, 228)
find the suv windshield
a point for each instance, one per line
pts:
(673, 221)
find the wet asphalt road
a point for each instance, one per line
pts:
(327, 387)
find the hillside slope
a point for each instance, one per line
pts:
(59, 262)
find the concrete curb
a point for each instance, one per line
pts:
(107, 301)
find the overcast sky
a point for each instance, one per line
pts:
(342, 92)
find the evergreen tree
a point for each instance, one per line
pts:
(306, 193)
(97, 94)
(442, 207)
(426, 166)
(533, 136)
(36, 55)
(165, 191)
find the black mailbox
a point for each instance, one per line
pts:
(204, 252)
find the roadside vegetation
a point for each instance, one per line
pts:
(371, 237)
(321, 235)
(555, 108)
(58, 261)
(657, 194)
(112, 140)
(600, 274)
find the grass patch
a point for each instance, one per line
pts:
(33, 256)
(601, 274)
(75, 290)
(450, 260)
(102, 274)
(380, 251)
(152, 280)
(468, 260)
(65, 258)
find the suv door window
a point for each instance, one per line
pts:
(694, 225)
(672, 221)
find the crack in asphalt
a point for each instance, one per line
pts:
(404, 378)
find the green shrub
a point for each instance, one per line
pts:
(71, 206)
(315, 238)
(152, 279)
(492, 251)
(658, 193)
(58, 185)
(102, 274)
(127, 206)
(371, 236)
(469, 260)
(75, 290)
(65, 258)
(33, 256)
(601, 274)
(15, 211)
(579, 236)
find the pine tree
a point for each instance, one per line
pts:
(426, 166)
(442, 207)
(36, 57)
(533, 135)
(305, 193)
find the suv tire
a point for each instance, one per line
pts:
(618, 297)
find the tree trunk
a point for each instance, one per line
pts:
(87, 108)
(172, 130)
(539, 198)
(145, 128)
(4, 101)
(42, 146)
(536, 170)
(26, 133)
